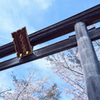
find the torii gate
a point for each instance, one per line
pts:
(83, 39)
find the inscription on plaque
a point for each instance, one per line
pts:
(22, 43)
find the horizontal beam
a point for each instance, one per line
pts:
(51, 49)
(66, 26)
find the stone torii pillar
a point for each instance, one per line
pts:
(89, 61)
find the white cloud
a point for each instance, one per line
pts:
(44, 4)
(5, 78)
(42, 63)
(17, 14)
(23, 3)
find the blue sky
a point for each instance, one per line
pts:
(35, 15)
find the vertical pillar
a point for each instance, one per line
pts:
(89, 61)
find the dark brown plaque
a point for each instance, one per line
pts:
(21, 42)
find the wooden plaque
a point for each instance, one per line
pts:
(22, 43)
